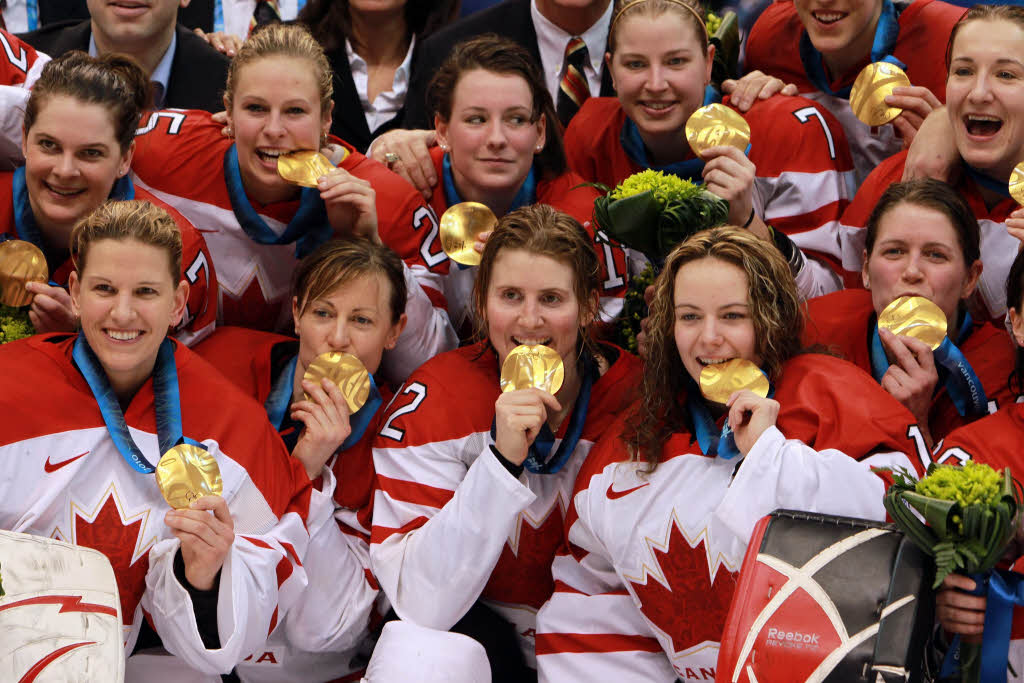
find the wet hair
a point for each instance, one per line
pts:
(116, 82)
(935, 195)
(330, 21)
(1013, 13)
(128, 220)
(544, 231)
(501, 56)
(338, 262)
(690, 10)
(283, 40)
(775, 310)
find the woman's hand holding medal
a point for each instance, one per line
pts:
(206, 532)
(912, 377)
(51, 308)
(749, 416)
(351, 204)
(518, 418)
(325, 415)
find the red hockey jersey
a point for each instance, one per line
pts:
(842, 322)
(179, 157)
(65, 479)
(565, 194)
(644, 588)
(319, 638)
(998, 247)
(773, 46)
(450, 523)
(804, 177)
(196, 264)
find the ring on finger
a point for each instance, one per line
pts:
(390, 158)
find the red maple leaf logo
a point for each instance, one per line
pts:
(692, 609)
(117, 540)
(524, 577)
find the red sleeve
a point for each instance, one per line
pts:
(181, 152)
(16, 59)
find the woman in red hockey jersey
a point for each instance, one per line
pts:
(922, 240)
(278, 100)
(985, 117)
(500, 144)
(122, 394)
(794, 176)
(663, 508)
(349, 297)
(79, 123)
(473, 483)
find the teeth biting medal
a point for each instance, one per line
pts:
(917, 317)
(719, 381)
(536, 366)
(345, 370)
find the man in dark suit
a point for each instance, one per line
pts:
(543, 27)
(186, 72)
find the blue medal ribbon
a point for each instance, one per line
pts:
(25, 221)
(165, 396)
(956, 374)
(712, 441)
(526, 195)
(280, 398)
(308, 228)
(988, 182)
(539, 459)
(1003, 590)
(886, 33)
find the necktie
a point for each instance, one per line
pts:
(266, 12)
(573, 89)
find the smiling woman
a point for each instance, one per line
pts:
(79, 124)
(278, 100)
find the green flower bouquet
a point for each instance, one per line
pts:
(969, 514)
(14, 323)
(652, 212)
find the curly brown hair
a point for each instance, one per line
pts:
(777, 314)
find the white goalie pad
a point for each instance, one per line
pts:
(60, 614)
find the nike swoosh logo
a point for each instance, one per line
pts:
(52, 467)
(612, 495)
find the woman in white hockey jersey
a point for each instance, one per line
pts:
(85, 419)
(664, 506)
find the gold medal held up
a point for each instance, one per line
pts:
(20, 262)
(345, 370)
(719, 381)
(873, 84)
(917, 317)
(460, 225)
(536, 366)
(714, 125)
(303, 167)
(1017, 183)
(186, 473)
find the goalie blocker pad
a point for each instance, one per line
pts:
(60, 614)
(830, 599)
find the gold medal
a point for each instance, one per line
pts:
(1017, 183)
(20, 262)
(460, 226)
(186, 473)
(714, 125)
(347, 372)
(532, 366)
(873, 84)
(719, 381)
(303, 167)
(917, 317)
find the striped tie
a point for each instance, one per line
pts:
(266, 12)
(573, 89)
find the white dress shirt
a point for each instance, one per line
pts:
(551, 41)
(16, 16)
(387, 103)
(238, 14)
